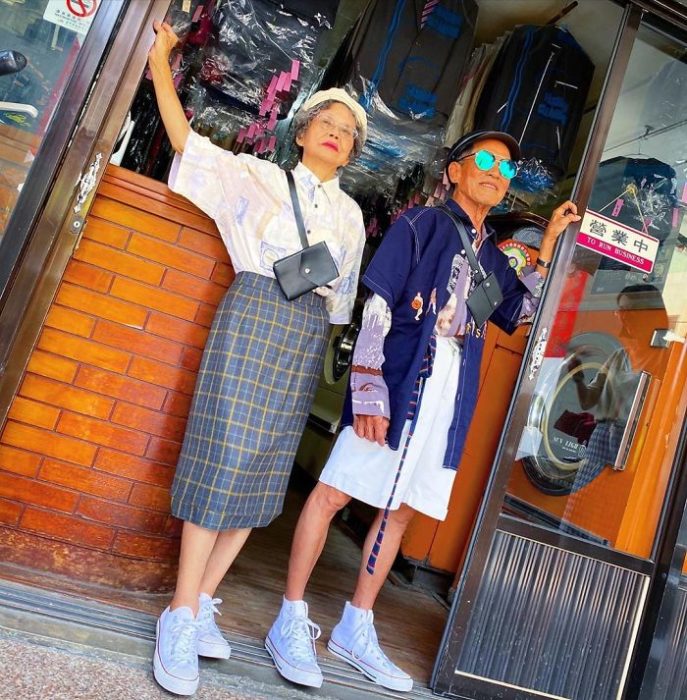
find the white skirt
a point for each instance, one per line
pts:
(366, 471)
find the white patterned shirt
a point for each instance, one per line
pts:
(250, 202)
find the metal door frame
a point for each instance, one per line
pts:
(669, 18)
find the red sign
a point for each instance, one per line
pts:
(82, 8)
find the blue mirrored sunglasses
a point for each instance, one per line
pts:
(485, 160)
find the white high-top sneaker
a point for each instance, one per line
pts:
(211, 643)
(291, 644)
(354, 640)
(175, 664)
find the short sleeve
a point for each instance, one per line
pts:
(388, 271)
(198, 172)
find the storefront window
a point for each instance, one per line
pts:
(39, 44)
(595, 456)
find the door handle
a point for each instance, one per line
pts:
(632, 421)
(537, 357)
(87, 182)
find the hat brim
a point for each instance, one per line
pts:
(463, 143)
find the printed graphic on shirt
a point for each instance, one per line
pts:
(365, 401)
(348, 283)
(451, 319)
(369, 346)
(417, 304)
(269, 254)
(472, 329)
(432, 308)
(240, 209)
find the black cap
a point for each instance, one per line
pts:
(464, 142)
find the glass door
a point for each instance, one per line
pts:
(555, 586)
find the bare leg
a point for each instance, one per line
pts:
(369, 585)
(227, 546)
(196, 546)
(311, 533)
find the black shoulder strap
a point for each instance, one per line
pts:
(469, 252)
(297, 209)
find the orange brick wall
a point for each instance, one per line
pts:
(88, 452)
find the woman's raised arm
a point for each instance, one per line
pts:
(171, 111)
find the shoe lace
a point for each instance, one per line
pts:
(208, 610)
(300, 634)
(369, 643)
(183, 634)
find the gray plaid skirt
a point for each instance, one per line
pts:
(253, 394)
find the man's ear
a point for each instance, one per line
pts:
(453, 171)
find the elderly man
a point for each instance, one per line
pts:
(413, 392)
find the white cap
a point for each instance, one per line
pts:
(339, 95)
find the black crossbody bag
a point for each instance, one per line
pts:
(486, 296)
(311, 267)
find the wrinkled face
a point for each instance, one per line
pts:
(330, 136)
(481, 187)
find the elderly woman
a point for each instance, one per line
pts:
(264, 354)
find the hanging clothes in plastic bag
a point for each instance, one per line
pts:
(321, 13)
(394, 146)
(239, 66)
(251, 43)
(666, 101)
(413, 54)
(536, 91)
(638, 192)
(462, 115)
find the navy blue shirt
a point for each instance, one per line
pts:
(416, 256)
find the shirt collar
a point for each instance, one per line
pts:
(456, 208)
(310, 181)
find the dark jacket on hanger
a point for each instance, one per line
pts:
(536, 91)
(414, 52)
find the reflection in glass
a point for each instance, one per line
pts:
(38, 51)
(595, 455)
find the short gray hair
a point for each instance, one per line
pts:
(304, 117)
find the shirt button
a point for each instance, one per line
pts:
(473, 230)
(462, 252)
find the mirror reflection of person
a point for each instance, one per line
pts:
(264, 354)
(611, 391)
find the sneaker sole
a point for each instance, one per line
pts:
(214, 651)
(174, 684)
(292, 674)
(344, 655)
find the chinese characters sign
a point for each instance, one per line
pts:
(626, 245)
(76, 15)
